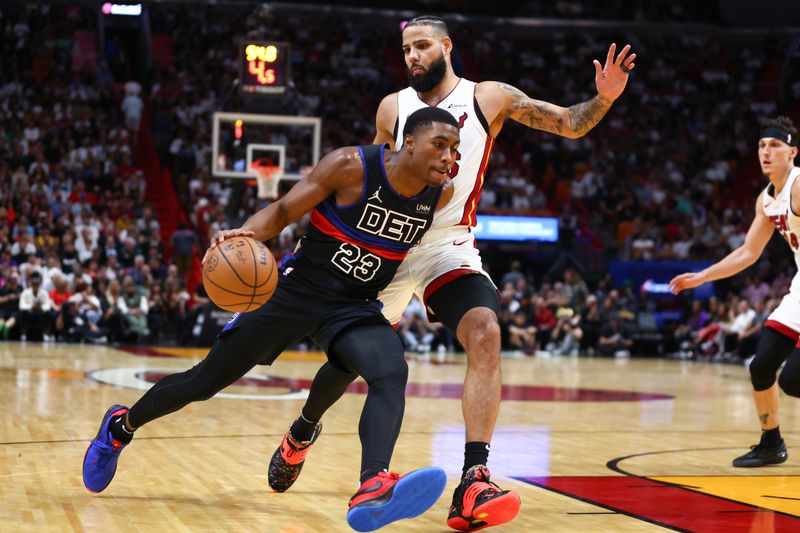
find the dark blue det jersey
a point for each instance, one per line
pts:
(355, 250)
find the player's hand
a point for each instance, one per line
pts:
(689, 280)
(226, 234)
(612, 77)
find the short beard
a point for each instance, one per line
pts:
(427, 81)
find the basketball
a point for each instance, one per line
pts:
(240, 274)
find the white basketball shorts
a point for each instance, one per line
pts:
(442, 256)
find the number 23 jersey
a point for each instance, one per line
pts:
(355, 250)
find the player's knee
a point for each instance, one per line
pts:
(396, 371)
(762, 373)
(789, 382)
(482, 332)
(391, 374)
(771, 352)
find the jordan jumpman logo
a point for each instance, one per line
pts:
(376, 195)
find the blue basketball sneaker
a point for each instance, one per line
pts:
(388, 497)
(100, 460)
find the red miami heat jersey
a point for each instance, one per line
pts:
(473, 152)
(779, 210)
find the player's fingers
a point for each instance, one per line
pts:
(598, 68)
(629, 59)
(610, 56)
(623, 53)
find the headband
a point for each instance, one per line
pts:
(779, 133)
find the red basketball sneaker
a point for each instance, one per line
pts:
(386, 498)
(288, 459)
(479, 503)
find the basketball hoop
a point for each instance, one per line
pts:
(269, 177)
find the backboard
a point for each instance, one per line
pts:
(244, 144)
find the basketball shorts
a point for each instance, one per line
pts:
(786, 317)
(296, 311)
(442, 256)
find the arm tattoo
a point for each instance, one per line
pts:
(533, 113)
(543, 116)
(584, 116)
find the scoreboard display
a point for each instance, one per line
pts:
(265, 67)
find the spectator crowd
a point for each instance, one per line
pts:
(670, 173)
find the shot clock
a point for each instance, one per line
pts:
(265, 67)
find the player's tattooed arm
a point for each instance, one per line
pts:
(572, 122)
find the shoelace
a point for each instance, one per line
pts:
(391, 475)
(294, 448)
(480, 474)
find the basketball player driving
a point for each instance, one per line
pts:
(370, 206)
(445, 269)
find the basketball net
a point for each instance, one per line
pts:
(268, 176)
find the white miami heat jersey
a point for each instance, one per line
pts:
(779, 210)
(473, 152)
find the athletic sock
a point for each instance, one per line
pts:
(303, 429)
(475, 453)
(771, 437)
(119, 431)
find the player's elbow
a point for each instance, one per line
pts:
(748, 256)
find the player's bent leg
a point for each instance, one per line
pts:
(230, 358)
(479, 333)
(469, 306)
(375, 352)
(772, 350)
(328, 386)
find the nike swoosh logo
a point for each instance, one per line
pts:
(377, 486)
(460, 243)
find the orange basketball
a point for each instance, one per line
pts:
(240, 274)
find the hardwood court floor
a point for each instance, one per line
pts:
(590, 445)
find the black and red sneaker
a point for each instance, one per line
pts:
(479, 503)
(388, 497)
(288, 459)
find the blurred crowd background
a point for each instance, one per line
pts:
(107, 200)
